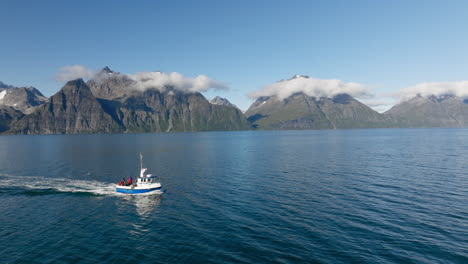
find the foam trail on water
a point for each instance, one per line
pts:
(58, 185)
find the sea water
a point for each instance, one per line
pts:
(329, 196)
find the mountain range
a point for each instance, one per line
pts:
(300, 111)
(431, 111)
(110, 103)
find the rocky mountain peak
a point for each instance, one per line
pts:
(107, 84)
(296, 76)
(221, 101)
(5, 86)
(24, 99)
(107, 70)
(75, 86)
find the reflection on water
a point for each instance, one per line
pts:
(145, 203)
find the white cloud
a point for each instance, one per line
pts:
(381, 104)
(435, 88)
(160, 80)
(312, 87)
(375, 103)
(143, 80)
(72, 72)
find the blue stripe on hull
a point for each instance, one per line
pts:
(134, 191)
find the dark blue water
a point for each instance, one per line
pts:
(345, 196)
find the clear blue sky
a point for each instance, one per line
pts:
(246, 44)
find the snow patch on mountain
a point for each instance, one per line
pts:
(2, 94)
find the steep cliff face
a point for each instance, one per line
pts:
(156, 111)
(431, 111)
(8, 116)
(300, 111)
(72, 110)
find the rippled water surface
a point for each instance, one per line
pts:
(343, 196)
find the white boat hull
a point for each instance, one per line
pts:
(141, 188)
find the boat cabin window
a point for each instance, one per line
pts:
(146, 180)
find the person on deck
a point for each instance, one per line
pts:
(130, 181)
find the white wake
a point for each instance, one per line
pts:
(58, 185)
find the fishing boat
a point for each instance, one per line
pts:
(143, 184)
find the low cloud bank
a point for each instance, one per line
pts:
(160, 80)
(312, 87)
(143, 80)
(73, 72)
(436, 89)
(283, 89)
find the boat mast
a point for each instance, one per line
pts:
(141, 161)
